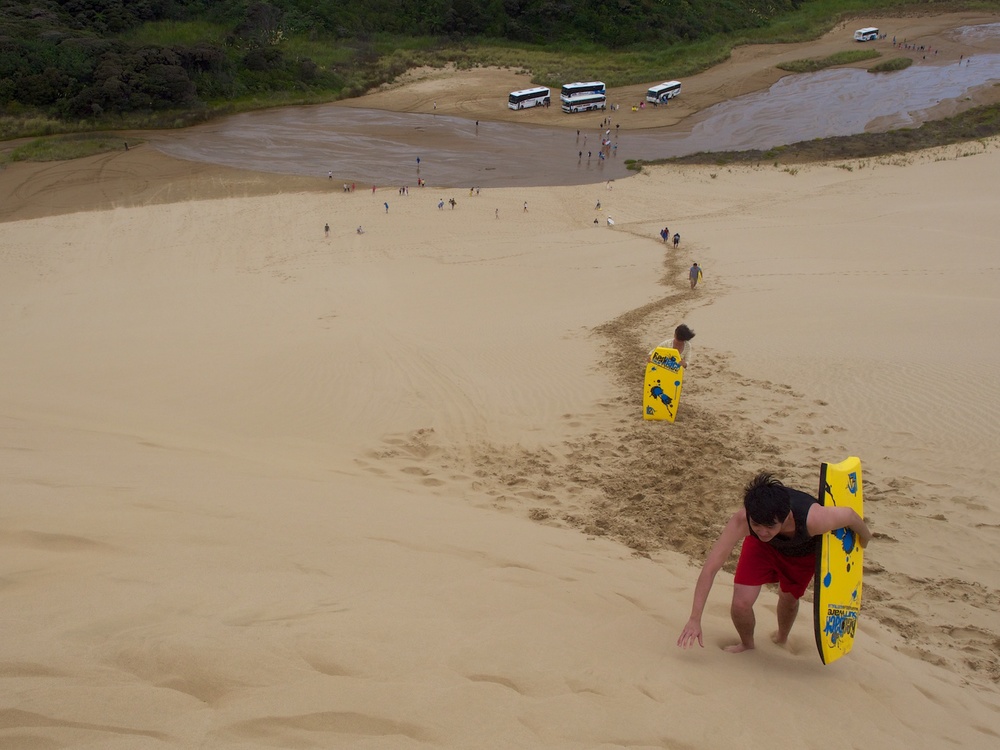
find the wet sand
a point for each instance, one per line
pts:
(374, 146)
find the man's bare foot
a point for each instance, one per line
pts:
(778, 638)
(737, 648)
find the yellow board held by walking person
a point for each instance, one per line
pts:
(662, 386)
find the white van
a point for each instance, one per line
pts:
(866, 35)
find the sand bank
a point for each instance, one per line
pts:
(268, 488)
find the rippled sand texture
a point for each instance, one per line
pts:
(263, 488)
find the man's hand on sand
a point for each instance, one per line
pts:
(690, 634)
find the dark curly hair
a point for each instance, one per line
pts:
(683, 333)
(766, 500)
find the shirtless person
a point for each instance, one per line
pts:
(780, 528)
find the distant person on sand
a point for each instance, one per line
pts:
(526, 207)
(386, 204)
(677, 239)
(361, 229)
(327, 230)
(681, 342)
(780, 529)
(694, 274)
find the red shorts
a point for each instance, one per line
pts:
(760, 563)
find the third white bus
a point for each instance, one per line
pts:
(537, 97)
(583, 103)
(664, 92)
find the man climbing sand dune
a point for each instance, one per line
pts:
(694, 274)
(780, 529)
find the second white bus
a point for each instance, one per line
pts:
(584, 103)
(664, 92)
(589, 88)
(526, 98)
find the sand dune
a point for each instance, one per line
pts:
(264, 488)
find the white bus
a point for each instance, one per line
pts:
(571, 90)
(540, 96)
(866, 35)
(584, 103)
(664, 92)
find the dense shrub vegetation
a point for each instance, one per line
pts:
(74, 59)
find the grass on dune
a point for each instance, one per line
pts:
(896, 63)
(65, 147)
(176, 33)
(812, 64)
(976, 124)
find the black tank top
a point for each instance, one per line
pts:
(800, 544)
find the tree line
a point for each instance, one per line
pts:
(73, 59)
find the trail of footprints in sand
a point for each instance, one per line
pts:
(653, 487)
(615, 474)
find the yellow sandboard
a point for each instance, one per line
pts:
(839, 564)
(661, 391)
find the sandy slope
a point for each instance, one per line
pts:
(262, 488)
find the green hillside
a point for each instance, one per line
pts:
(85, 64)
